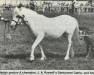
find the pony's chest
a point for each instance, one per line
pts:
(54, 35)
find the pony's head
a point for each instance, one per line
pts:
(17, 18)
(84, 32)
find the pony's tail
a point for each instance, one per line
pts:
(77, 32)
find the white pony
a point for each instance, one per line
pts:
(47, 27)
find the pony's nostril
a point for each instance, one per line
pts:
(80, 38)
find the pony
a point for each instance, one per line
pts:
(87, 36)
(42, 27)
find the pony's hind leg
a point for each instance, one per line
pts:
(72, 51)
(88, 47)
(92, 47)
(42, 53)
(90, 50)
(69, 46)
(37, 41)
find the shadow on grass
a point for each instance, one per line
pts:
(38, 55)
(80, 55)
(16, 56)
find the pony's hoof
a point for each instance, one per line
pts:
(32, 59)
(43, 58)
(28, 60)
(66, 58)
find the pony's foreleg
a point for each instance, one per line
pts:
(72, 51)
(37, 41)
(42, 53)
(69, 46)
(87, 48)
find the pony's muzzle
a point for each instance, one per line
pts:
(12, 27)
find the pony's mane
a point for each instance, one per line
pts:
(31, 12)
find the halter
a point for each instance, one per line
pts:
(17, 22)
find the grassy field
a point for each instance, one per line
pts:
(15, 53)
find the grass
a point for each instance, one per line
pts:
(14, 55)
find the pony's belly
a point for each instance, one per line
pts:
(53, 34)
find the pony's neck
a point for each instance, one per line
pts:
(29, 16)
(28, 11)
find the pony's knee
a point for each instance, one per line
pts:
(33, 47)
(70, 42)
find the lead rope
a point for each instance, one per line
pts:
(6, 22)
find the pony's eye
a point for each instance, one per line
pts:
(18, 16)
(23, 16)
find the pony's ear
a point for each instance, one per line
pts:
(20, 5)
